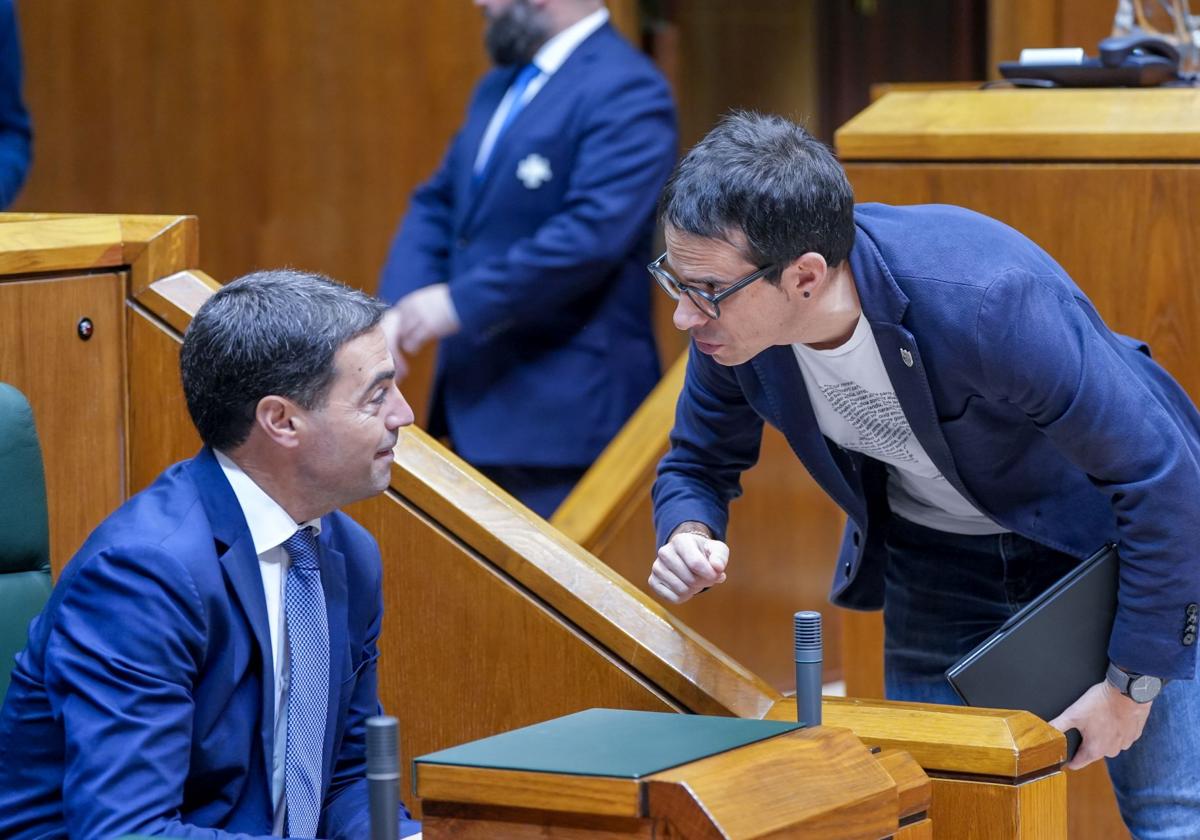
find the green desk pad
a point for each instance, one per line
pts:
(610, 742)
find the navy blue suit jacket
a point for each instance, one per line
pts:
(1047, 421)
(556, 348)
(14, 119)
(144, 700)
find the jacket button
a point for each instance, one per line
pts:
(854, 538)
(1193, 610)
(847, 567)
(1189, 638)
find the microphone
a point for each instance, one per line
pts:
(808, 656)
(383, 777)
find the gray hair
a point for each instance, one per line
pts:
(768, 178)
(268, 333)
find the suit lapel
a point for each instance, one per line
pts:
(239, 563)
(561, 85)
(885, 304)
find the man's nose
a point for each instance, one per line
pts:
(402, 414)
(687, 315)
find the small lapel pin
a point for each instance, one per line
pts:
(533, 171)
(906, 356)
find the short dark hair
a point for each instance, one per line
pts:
(268, 333)
(768, 178)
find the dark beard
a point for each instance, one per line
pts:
(514, 35)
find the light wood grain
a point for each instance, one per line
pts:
(76, 389)
(446, 820)
(949, 739)
(1091, 124)
(912, 785)
(974, 810)
(597, 795)
(587, 592)
(160, 428)
(813, 783)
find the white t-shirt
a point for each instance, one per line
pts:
(857, 408)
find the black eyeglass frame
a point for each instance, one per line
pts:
(674, 288)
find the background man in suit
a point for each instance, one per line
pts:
(206, 663)
(524, 253)
(945, 381)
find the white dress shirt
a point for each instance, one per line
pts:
(547, 59)
(270, 527)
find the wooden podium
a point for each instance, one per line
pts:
(802, 783)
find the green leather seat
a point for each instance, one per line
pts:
(24, 532)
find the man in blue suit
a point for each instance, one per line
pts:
(206, 663)
(944, 381)
(525, 252)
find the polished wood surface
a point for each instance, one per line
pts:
(75, 387)
(598, 795)
(813, 783)
(975, 810)
(160, 428)
(1009, 125)
(912, 785)
(947, 739)
(568, 579)
(994, 773)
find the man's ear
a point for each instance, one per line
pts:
(804, 275)
(281, 420)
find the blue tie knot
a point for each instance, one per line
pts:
(302, 548)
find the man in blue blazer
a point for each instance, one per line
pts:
(525, 251)
(206, 663)
(944, 381)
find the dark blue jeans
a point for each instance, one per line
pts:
(946, 593)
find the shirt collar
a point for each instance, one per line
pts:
(558, 49)
(270, 525)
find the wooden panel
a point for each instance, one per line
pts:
(974, 810)
(77, 390)
(912, 785)
(862, 653)
(814, 783)
(599, 795)
(445, 820)
(466, 654)
(1131, 256)
(1016, 24)
(160, 428)
(1095, 124)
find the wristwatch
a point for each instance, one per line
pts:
(1140, 688)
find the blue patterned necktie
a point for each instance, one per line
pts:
(308, 693)
(520, 83)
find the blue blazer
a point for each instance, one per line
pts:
(548, 276)
(1047, 421)
(143, 703)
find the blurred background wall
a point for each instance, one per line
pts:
(296, 129)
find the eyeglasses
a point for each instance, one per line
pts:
(706, 302)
